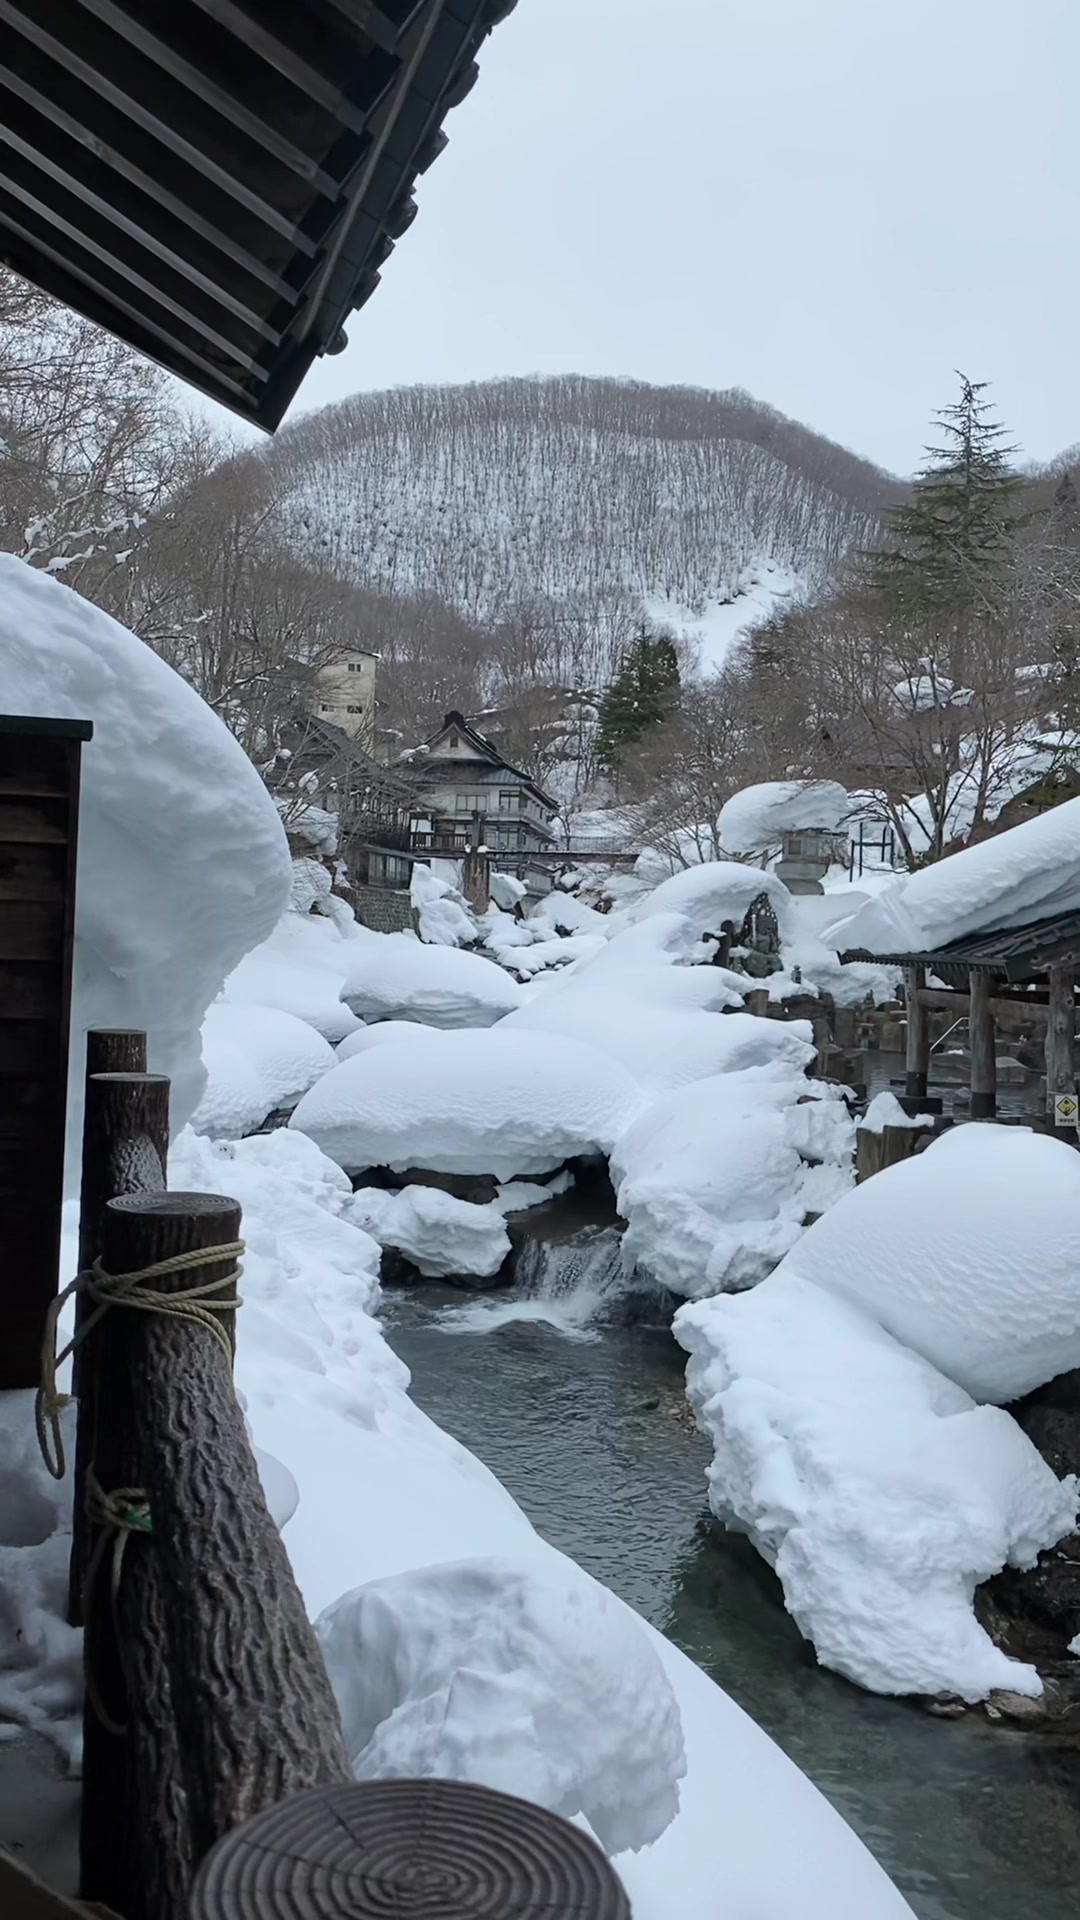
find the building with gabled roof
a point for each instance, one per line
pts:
(468, 795)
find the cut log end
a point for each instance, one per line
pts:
(407, 1847)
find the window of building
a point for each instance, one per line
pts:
(454, 741)
(354, 709)
(325, 707)
(355, 666)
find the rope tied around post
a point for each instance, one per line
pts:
(117, 1515)
(197, 1305)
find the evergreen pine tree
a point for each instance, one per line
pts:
(949, 543)
(642, 694)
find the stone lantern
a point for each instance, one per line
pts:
(806, 854)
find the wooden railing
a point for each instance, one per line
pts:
(207, 1703)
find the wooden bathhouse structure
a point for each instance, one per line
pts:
(1027, 971)
(217, 182)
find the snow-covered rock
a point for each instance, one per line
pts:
(183, 864)
(876, 1487)
(501, 1102)
(716, 892)
(380, 1035)
(258, 1061)
(1030, 872)
(507, 890)
(396, 977)
(300, 968)
(443, 916)
(969, 1253)
(711, 1178)
(754, 819)
(311, 884)
(515, 1674)
(663, 1024)
(440, 1234)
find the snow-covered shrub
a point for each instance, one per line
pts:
(445, 919)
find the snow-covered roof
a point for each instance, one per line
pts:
(1028, 874)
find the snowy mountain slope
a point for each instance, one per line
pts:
(571, 490)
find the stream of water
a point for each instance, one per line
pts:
(582, 1416)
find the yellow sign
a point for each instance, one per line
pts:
(1066, 1109)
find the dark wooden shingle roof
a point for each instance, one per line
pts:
(220, 181)
(1013, 953)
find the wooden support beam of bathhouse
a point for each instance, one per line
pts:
(39, 820)
(918, 1035)
(1060, 1045)
(983, 1047)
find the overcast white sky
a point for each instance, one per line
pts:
(832, 203)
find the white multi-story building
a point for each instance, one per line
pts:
(346, 696)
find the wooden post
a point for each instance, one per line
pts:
(255, 1716)
(39, 818)
(983, 1048)
(371, 1848)
(125, 1148)
(876, 1151)
(757, 1002)
(131, 1780)
(1060, 1032)
(918, 1035)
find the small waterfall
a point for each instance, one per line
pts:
(569, 1284)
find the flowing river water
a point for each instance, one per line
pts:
(583, 1418)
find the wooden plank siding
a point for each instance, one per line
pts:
(39, 812)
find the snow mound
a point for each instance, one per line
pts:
(754, 819)
(441, 1235)
(876, 1487)
(310, 1272)
(661, 1023)
(885, 1111)
(258, 1060)
(1031, 872)
(564, 913)
(514, 1673)
(443, 917)
(396, 977)
(40, 1655)
(501, 1102)
(378, 1036)
(183, 864)
(300, 968)
(715, 892)
(969, 1253)
(712, 1182)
